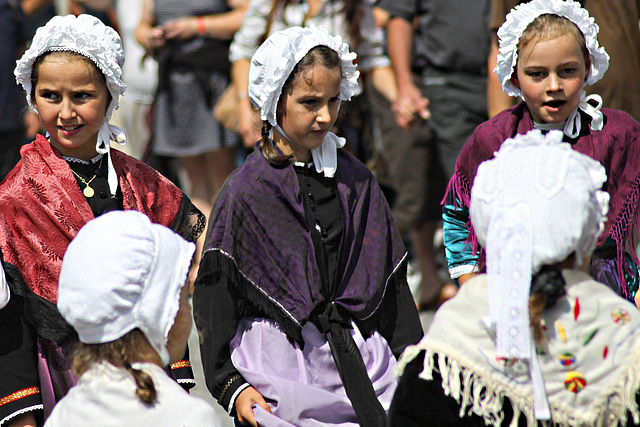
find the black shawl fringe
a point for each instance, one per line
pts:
(251, 302)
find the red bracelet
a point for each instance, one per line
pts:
(200, 23)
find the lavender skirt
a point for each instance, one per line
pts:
(54, 372)
(303, 387)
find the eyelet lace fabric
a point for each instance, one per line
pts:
(276, 58)
(519, 19)
(85, 35)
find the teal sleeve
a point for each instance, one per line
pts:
(456, 232)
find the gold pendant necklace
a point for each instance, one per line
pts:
(88, 191)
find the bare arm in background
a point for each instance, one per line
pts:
(409, 103)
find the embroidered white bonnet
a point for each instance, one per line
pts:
(85, 35)
(537, 202)
(559, 186)
(122, 272)
(276, 58)
(524, 14)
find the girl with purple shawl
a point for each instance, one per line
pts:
(301, 299)
(548, 52)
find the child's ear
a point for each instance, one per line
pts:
(587, 64)
(515, 81)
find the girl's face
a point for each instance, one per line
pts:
(72, 99)
(179, 332)
(551, 75)
(309, 110)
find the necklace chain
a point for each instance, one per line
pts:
(88, 191)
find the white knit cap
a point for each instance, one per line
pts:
(524, 14)
(123, 272)
(88, 36)
(537, 202)
(275, 59)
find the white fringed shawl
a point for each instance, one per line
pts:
(592, 334)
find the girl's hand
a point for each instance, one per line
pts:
(409, 106)
(244, 406)
(181, 28)
(151, 38)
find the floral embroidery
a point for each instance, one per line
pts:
(620, 316)
(560, 328)
(567, 359)
(574, 382)
(590, 336)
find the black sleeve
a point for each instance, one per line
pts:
(189, 222)
(216, 316)
(19, 387)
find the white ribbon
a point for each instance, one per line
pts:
(325, 157)
(574, 124)
(106, 134)
(5, 294)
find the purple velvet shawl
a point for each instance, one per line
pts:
(261, 239)
(616, 147)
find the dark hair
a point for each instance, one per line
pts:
(132, 347)
(547, 286)
(70, 54)
(318, 55)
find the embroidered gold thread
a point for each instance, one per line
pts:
(19, 395)
(180, 364)
(228, 384)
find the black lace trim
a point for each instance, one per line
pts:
(189, 222)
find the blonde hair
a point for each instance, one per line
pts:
(132, 347)
(548, 26)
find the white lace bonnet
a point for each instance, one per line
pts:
(88, 36)
(122, 272)
(276, 58)
(537, 202)
(519, 19)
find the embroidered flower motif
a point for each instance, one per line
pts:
(576, 309)
(561, 332)
(590, 336)
(567, 359)
(620, 316)
(574, 382)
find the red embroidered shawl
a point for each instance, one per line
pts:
(43, 208)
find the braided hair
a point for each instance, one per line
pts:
(133, 346)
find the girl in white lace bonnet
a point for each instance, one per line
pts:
(72, 78)
(301, 298)
(535, 338)
(549, 51)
